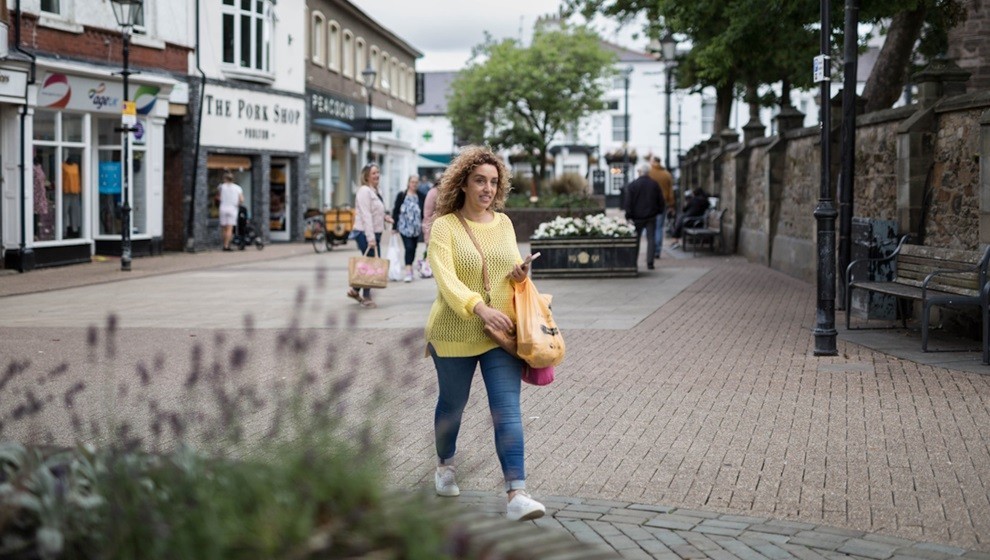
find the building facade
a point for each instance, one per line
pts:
(63, 148)
(345, 48)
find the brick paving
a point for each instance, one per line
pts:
(706, 430)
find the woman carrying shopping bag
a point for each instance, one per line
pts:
(473, 187)
(369, 223)
(407, 215)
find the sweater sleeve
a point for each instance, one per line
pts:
(362, 206)
(399, 199)
(455, 293)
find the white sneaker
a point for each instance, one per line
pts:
(524, 508)
(408, 277)
(446, 482)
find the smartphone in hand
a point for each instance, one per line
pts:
(530, 258)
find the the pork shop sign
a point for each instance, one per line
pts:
(246, 119)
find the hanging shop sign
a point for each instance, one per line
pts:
(248, 119)
(13, 84)
(330, 111)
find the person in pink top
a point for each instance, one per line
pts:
(369, 222)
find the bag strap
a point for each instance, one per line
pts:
(484, 264)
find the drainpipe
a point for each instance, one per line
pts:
(26, 253)
(190, 225)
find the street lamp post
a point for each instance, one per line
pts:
(127, 13)
(369, 75)
(825, 213)
(666, 50)
(626, 72)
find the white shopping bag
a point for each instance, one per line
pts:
(395, 260)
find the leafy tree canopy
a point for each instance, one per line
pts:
(513, 96)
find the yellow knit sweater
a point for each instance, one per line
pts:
(453, 329)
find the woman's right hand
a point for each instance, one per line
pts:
(493, 318)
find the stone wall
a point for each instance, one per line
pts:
(876, 170)
(953, 213)
(925, 157)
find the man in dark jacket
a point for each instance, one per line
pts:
(643, 201)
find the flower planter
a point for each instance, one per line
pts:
(585, 257)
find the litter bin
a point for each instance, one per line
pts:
(873, 239)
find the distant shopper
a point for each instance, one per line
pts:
(407, 214)
(643, 203)
(662, 176)
(472, 191)
(231, 197)
(369, 222)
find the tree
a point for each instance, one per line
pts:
(762, 42)
(511, 96)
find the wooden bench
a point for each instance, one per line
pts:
(708, 231)
(933, 276)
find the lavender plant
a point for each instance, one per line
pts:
(288, 468)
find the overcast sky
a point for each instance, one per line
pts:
(445, 30)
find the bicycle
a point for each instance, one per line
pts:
(324, 239)
(321, 242)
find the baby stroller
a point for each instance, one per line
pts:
(245, 232)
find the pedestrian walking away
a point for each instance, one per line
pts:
(230, 196)
(474, 188)
(369, 223)
(662, 176)
(407, 214)
(429, 212)
(643, 202)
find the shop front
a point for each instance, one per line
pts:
(76, 150)
(335, 148)
(260, 138)
(15, 186)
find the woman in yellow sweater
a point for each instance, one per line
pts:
(473, 187)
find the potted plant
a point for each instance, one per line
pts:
(592, 246)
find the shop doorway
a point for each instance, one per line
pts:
(279, 201)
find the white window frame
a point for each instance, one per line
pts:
(317, 38)
(360, 56)
(333, 46)
(59, 9)
(373, 59)
(348, 55)
(618, 132)
(262, 45)
(384, 79)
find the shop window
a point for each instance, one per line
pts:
(248, 26)
(111, 180)
(59, 176)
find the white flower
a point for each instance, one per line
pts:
(598, 225)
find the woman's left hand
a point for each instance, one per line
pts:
(388, 219)
(519, 272)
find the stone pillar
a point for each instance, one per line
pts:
(969, 44)
(788, 118)
(984, 185)
(941, 78)
(916, 141)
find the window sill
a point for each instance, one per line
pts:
(145, 41)
(59, 23)
(249, 75)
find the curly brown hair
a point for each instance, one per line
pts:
(450, 197)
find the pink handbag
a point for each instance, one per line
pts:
(537, 376)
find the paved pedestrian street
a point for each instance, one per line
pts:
(689, 420)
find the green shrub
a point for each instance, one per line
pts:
(569, 183)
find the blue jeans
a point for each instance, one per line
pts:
(502, 375)
(362, 243)
(661, 218)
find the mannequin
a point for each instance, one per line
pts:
(71, 197)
